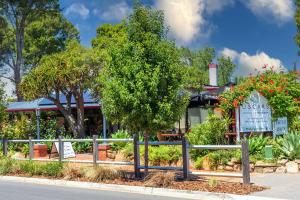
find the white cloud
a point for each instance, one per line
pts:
(79, 9)
(280, 10)
(114, 12)
(213, 6)
(186, 18)
(252, 64)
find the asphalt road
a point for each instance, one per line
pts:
(26, 191)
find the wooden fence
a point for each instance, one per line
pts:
(244, 147)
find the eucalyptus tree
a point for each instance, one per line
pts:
(71, 73)
(28, 31)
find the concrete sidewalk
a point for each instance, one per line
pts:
(285, 186)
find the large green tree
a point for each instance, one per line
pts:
(143, 84)
(31, 28)
(71, 73)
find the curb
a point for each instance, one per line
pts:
(135, 189)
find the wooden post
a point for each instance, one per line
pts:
(5, 146)
(136, 156)
(95, 150)
(245, 162)
(185, 158)
(31, 152)
(61, 148)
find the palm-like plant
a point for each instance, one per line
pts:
(291, 146)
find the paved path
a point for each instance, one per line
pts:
(27, 191)
(285, 186)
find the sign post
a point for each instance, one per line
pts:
(255, 114)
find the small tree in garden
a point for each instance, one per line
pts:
(281, 90)
(70, 73)
(144, 80)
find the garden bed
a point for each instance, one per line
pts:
(116, 175)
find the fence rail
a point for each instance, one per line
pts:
(244, 147)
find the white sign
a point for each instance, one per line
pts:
(280, 126)
(255, 114)
(68, 149)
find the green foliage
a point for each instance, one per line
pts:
(82, 147)
(199, 163)
(164, 155)
(225, 70)
(71, 72)
(196, 63)
(144, 79)
(158, 155)
(291, 146)
(33, 168)
(212, 131)
(46, 35)
(257, 144)
(281, 90)
(120, 134)
(6, 166)
(297, 20)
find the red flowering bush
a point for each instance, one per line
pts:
(282, 91)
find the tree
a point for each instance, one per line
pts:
(143, 84)
(225, 70)
(196, 63)
(17, 16)
(71, 73)
(48, 34)
(297, 20)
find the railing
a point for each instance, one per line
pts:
(137, 167)
(95, 142)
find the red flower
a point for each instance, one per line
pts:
(235, 103)
(271, 91)
(271, 82)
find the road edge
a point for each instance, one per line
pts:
(134, 189)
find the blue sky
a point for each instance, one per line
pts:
(251, 32)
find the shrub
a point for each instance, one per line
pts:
(102, 173)
(53, 169)
(6, 166)
(212, 131)
(199, 163)
(164, 155)
(257, 145)
(82, 147)
(291, 146)
(120, 134)
(128, 151)
(160, 179)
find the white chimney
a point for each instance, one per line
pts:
(213, 74)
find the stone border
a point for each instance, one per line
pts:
(186, 194)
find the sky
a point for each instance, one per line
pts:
(251, 32)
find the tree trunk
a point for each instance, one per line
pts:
(68, 116)
(80, 116)
(146, 139)
(19, 63)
